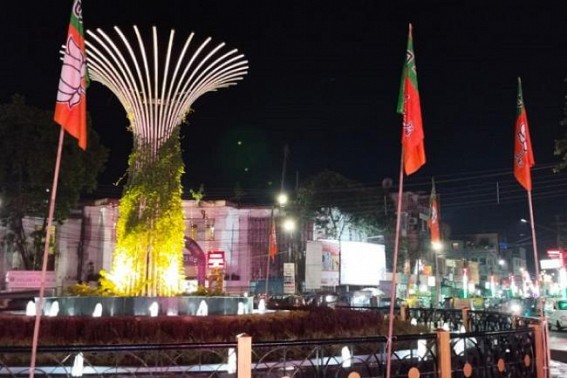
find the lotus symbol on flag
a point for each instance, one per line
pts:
(74, 62)
(523, 142)
(408, 128)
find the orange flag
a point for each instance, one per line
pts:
(273, 247)
(523, 152)
(433, 222)
(71, 105)
(409, 106)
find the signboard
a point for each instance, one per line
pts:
(330, 257)
(289, 278)
(313, 265)
(29, 279)
(362, 263)
(551, 264)
(215, 259)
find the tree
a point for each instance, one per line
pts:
(336, 202)
(28, 148)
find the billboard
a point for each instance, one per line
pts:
(362, 263)
(330, 263)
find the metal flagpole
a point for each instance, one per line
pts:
(39, 305)
(543, 321)
(395, 263)
(534, 241)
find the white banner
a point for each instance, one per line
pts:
(289, 278)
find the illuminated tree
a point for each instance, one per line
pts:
(157, 92)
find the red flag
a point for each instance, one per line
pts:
(273, 247)
(71, 105)
(409, 106)
(433, 221)
(523, 152)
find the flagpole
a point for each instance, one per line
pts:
(534, 241)
(537, 278)
(39, 305)
(394, 267)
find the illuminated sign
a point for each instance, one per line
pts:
(215, 259)
(551, 264)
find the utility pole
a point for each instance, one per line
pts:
(284, 165)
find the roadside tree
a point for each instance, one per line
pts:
(28, 148)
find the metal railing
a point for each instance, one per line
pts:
(493, 345)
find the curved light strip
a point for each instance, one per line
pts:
(156, 104)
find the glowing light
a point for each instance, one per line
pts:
(231, 361)
(421, 348)
(97, 313)
(262, 306)
(203, 309)
(289, 225)
(282, 199)
(154, 309)
(31, 309)
(53, 309)
(346, 357)
(465, 283)
(78, 365)
(241, 309)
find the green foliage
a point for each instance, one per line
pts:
(199, 194)
(84, 290)
(148, 257)
(202, 291)
(28, 149)
(335, 201)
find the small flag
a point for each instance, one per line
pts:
(71, 105)
(409, 106)
(433, 221)
(273, 247)
(523, 152)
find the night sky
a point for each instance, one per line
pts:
(324, 79)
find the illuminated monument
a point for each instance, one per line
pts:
(156, 88)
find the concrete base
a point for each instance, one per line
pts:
(140, 306)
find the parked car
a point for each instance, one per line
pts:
(285, 302)
(558, 318)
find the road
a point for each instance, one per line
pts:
(558, 346)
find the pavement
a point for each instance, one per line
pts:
(558, 352)
(557, 369)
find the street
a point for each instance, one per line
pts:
(558, 346)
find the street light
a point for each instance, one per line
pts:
(289, 225)
(282, 199)
(290, 268)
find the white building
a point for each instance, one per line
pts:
(85, 242)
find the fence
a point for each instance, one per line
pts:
(490, 345)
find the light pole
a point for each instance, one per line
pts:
(437, 249)
(289, 227)
(290, 273)
(281, 200)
